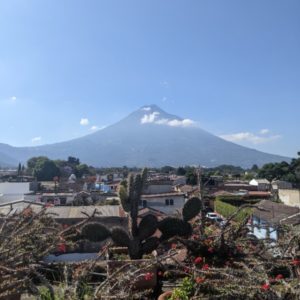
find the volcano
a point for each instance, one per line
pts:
(147, 137)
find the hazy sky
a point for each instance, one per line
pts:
(70, 67)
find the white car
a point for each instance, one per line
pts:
(216, 218)
(211, 216)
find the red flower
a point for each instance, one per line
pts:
(148, 276)
(205, 267)
(279, 277)
(265, 287)
(161, 273)
(187, 270)
(199, 280)
(198, 260)
(210, 250)
(62, 247)
(296, 262)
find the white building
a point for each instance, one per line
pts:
(168, 203)
(160, 195)
(290, 197)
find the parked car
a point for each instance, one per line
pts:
(211, 215)
(215, 218)
(220, 221)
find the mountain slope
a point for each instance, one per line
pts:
(148, 137)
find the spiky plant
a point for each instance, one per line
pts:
(138, 240)
(95, 232)
(172, 226)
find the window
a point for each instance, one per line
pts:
(171, 202)
(144, 203)
(167, 202)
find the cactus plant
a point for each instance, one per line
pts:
(95, 232)
(139, 240)
(171, 226)
(142, 242)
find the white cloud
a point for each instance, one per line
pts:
(182, 123)
(153, 118)
(94, 128)
(146, 108)
(250, 137)
(164, 83)
(264, 131)
(150, 118)
(84, 122)
(36, 139)
(13, 99)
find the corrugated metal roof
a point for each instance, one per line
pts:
(162, 195)
(64, 212)
(15, 188)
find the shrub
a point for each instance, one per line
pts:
(227, 209)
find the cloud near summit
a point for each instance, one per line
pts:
(154, 119)
(253, 138)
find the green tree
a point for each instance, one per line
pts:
(73, 161)
(254, 168)
(81, 170)
(31, 163)
(181, 171)
(45, 169)
(167, 169)
(191, 177)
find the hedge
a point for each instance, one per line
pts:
(226, 210)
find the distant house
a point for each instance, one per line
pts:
(280, 184)
(52, 198)
(168, 203)
(178, 180)
(265, 221)
(160, 195)
(111, 187)
(159, 186)
(187, 189)
(236, 186)
(261, 184)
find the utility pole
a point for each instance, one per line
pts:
(202, 219)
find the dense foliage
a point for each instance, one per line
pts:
(282, 171)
